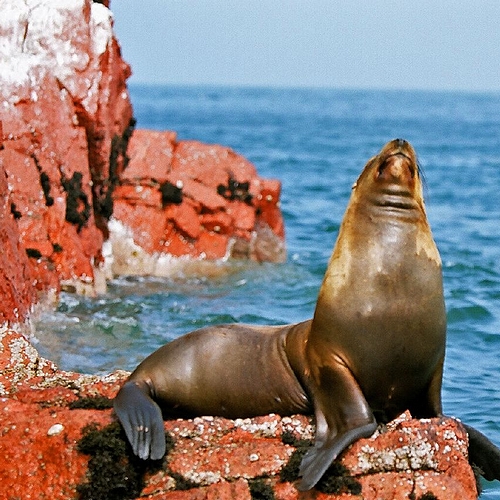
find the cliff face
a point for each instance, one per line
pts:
(84, 196)
(65, 111)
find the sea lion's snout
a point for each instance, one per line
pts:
(398, 146)
(397, 168)
(397, 163)
(391, 181)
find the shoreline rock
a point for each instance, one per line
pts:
(199, 201)
(59, 444)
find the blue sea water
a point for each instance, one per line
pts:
(316, 142)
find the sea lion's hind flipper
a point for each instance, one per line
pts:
(483, 454)
(142, 421)
(317, 460)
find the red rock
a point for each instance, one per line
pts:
(150, 154)
(176, 244)
(389, 485)
(24, 182)
(16, 280)
(205, 195)
(185, 219)
(287, 491)
(205, 163)
(43, 247)
(218, 192)
(268, 202)
(210, 165)
(452, 486)
(220, 491)
(80, 253)
(219, 456)
(219, 222)
(43, 462)
(211, 245)
(16, 361)
(65, 107)
(148, 224)
(243, 216)
(138, 195)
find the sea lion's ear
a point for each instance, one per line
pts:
(367, 167)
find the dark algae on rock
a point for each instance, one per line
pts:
(114, 472)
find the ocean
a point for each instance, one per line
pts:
(316, 141)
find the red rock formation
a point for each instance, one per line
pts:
(66, 121)
(15, 288)
(64, 106)
(199, 200)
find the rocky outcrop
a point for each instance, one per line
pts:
(66, 122)
(197, 200)
(65, 111)
(60, 440)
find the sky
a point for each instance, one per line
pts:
(380, 44)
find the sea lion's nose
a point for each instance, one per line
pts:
(400, 143)
(394, 169)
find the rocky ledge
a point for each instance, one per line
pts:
(84, 197)
(60, 439)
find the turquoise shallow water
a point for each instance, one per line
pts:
(316, 142)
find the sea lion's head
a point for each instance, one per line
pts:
(391, 182)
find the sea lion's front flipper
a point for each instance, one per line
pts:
(483, 454)
(342, 417)
(141, 419)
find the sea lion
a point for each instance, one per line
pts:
(374, 348)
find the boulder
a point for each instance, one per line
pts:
(201, 200)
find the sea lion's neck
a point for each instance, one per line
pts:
(373, 240)
(384, 256)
